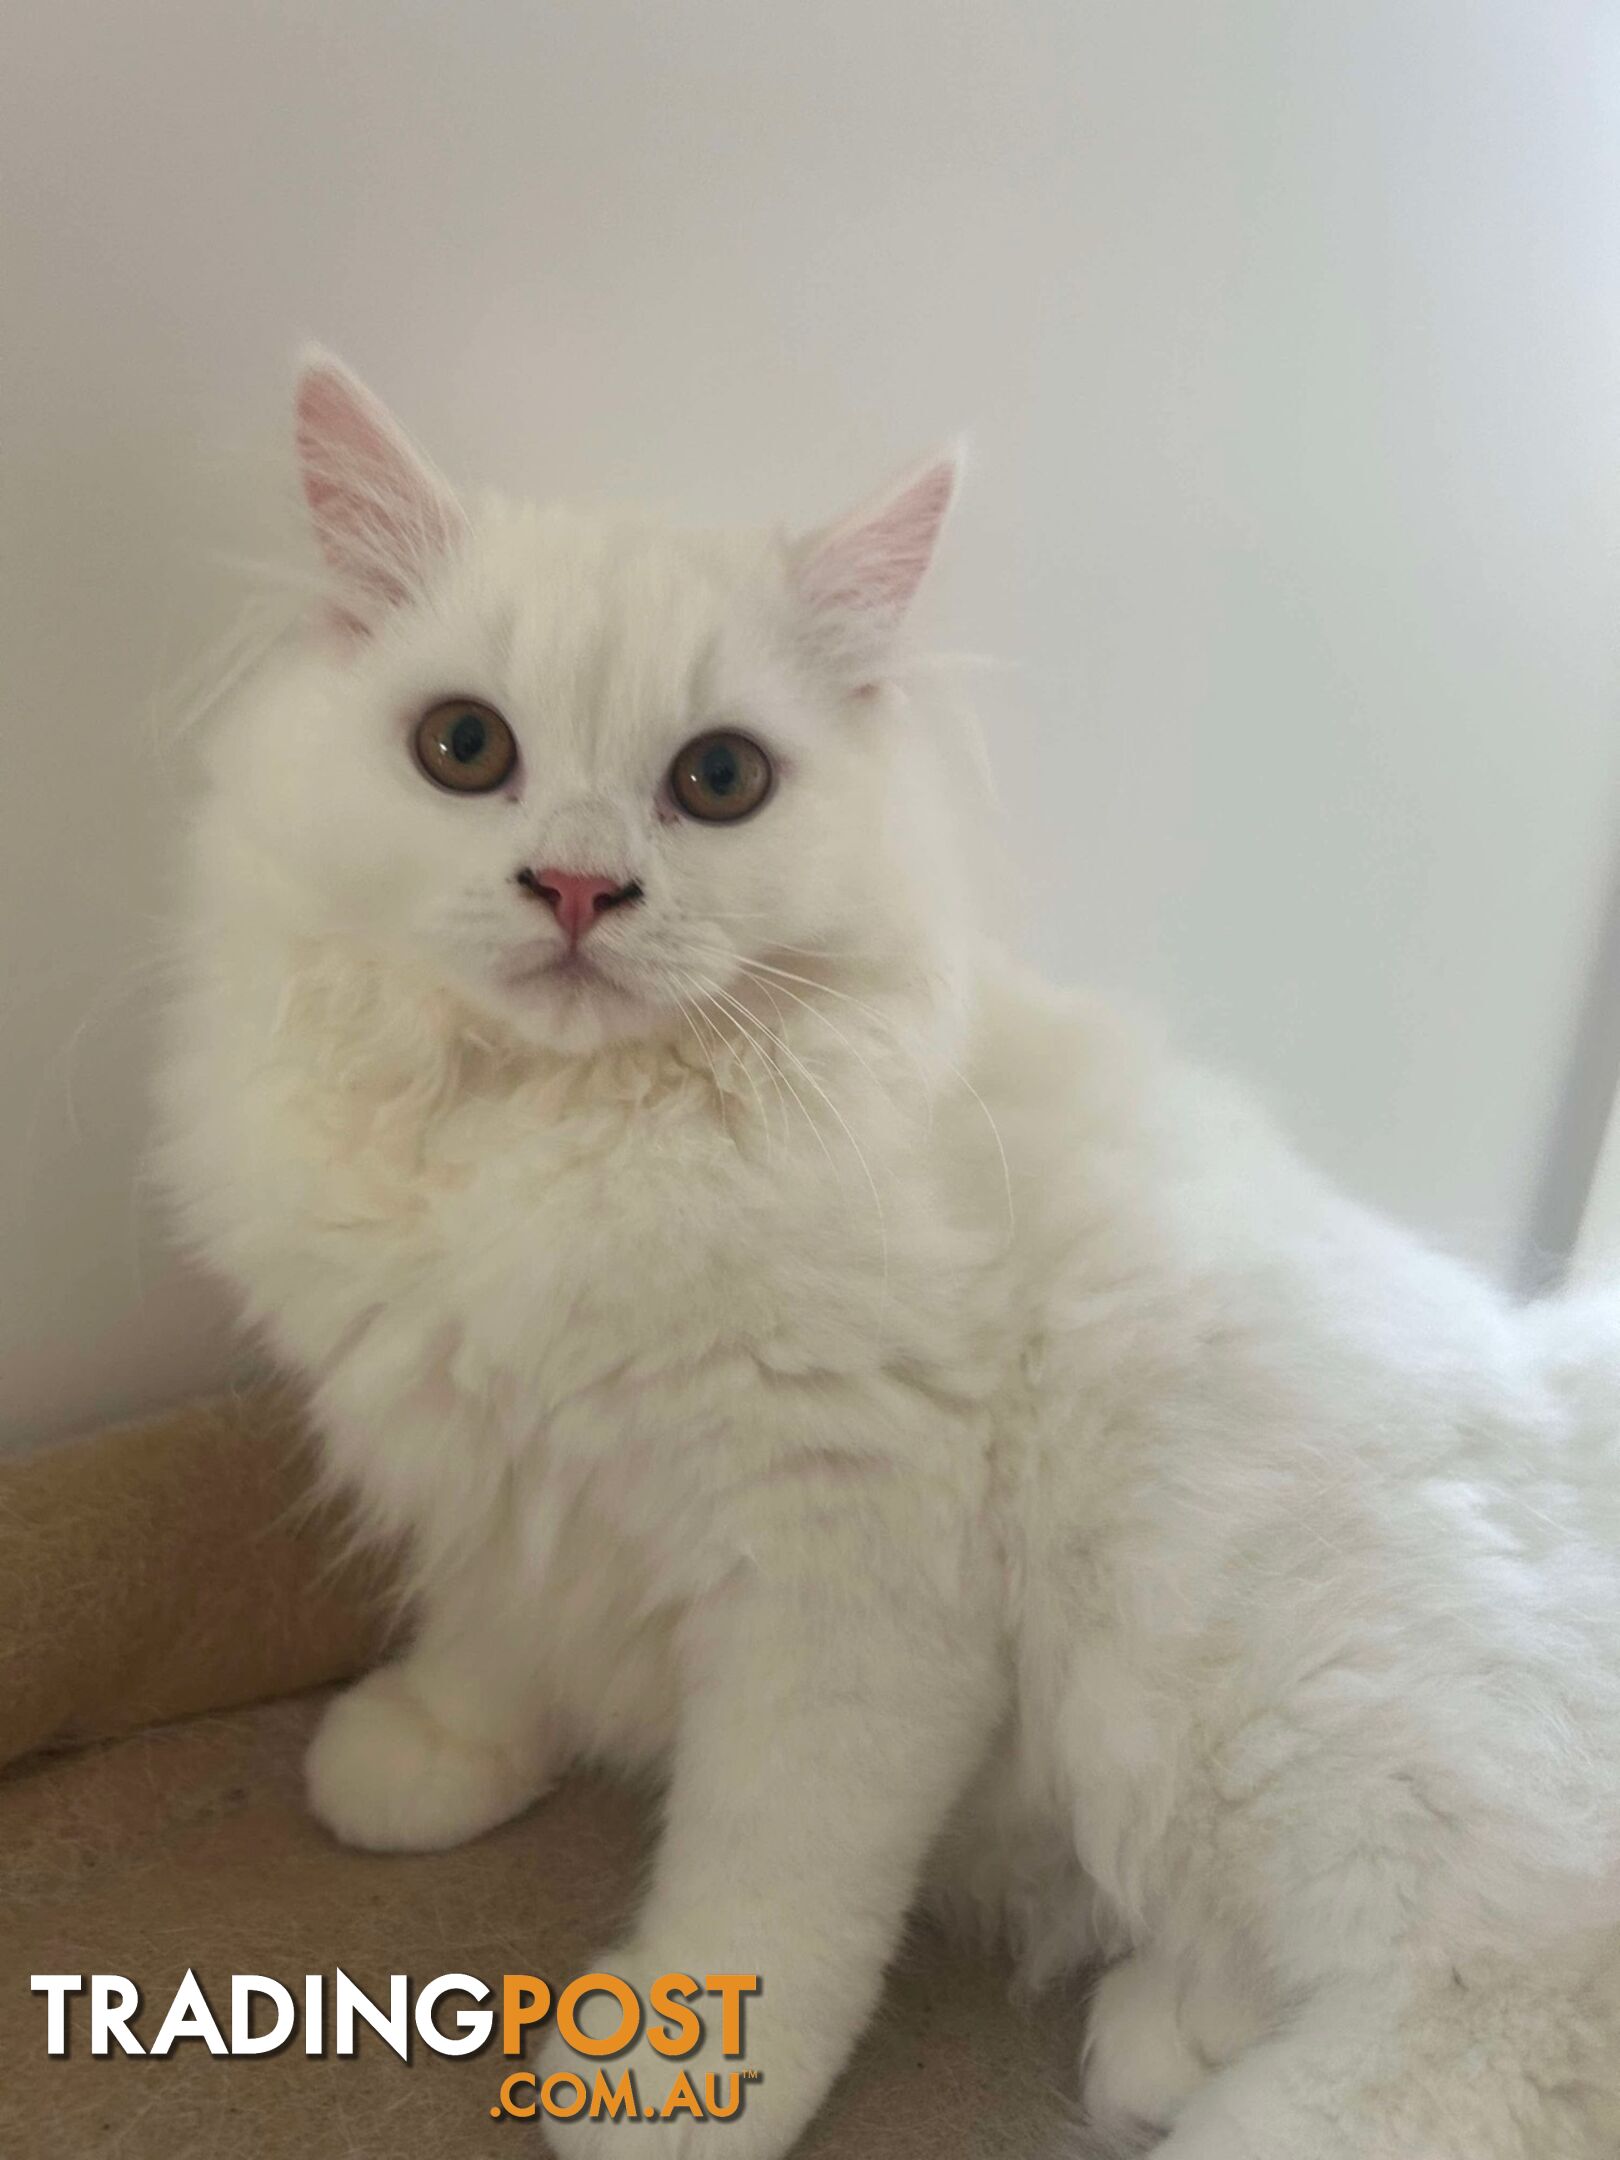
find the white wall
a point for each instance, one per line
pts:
(1288, 334)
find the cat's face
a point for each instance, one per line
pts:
(590, 774)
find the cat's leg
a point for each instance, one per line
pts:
(449, 1739)
(832, 1710)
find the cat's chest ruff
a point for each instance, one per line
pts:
(558, 1240)
(568, 1287)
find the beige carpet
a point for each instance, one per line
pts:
(157, 1583)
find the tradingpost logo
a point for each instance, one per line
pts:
(453, 2014)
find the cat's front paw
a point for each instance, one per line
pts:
(386, 1773)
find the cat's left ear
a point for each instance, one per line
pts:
(383, 517)
(855, 580)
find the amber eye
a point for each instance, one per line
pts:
(720, 776)
(466, 746)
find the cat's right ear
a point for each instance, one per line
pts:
(383, 517)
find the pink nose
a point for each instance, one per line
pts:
(576, 898)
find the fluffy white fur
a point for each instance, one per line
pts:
(969, 1450)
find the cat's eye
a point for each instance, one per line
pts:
(720, 777)
(466, 746)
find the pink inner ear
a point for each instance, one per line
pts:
(872, 563)
(380, 515)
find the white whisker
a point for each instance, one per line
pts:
(748, 1075)
(739, 1017)
(688, 1015)
(855, 1147)
(785, 976)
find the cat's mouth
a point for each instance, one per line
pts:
(574, 1000)
(572, 972)
(561, 968)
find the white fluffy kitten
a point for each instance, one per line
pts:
(800, 1348)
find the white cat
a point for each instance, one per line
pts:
(798, 1347)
